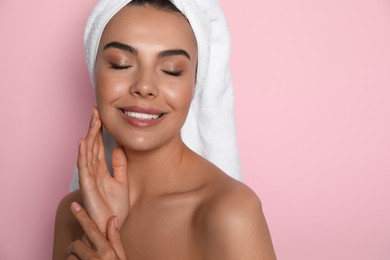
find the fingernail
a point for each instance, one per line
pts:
(93, 122)
(80, 140)
(75, 206)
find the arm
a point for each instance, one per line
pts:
(236, 228)
(102, 195)
(67, 229)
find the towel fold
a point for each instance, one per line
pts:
(209, 129)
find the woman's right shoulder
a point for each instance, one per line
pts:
(67, 229)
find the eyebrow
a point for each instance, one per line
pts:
(167, 53)
(132, 50)
(121, 46)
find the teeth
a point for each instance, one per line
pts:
(141, 115)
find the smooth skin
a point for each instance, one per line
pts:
(164, 201)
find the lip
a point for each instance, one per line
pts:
(142, 123)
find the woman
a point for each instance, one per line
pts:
(164, 201)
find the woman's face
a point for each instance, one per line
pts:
(145, 76)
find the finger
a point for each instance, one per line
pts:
(84, 170)
(82, 163)
(92, 144)
(81, 250)
(96, 147)
(119, 165)
(91, 137)
(100, 141)
(86, 241)
(102, 152)
(81, 159)
(95, 236)
(114, 237)
(93, 114)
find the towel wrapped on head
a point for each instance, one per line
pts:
(209, 129)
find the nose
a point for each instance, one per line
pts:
(144, 85)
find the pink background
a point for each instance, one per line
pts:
(312, 81)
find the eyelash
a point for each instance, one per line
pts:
(117, 67)
(173, 73)
(170, 73)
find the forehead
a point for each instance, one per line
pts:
(134, 24)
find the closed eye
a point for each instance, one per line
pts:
(118, 67)
(173, 73)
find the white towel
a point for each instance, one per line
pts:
(209, 129)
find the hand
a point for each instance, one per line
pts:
(103, 195)
(96, 245)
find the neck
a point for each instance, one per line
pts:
(155, 172)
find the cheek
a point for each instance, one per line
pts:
(107, 91)
(108, 88)
(180, 96)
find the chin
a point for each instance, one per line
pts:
(144, 142)
(140, 145)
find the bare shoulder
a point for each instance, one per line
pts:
(67, 229)
(234, 223)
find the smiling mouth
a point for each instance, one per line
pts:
(142, 116)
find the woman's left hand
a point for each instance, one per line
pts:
(96, 245)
